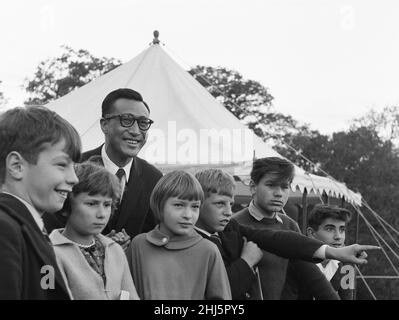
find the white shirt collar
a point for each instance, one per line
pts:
(112, 167)
(256, 213)
(35, 214)
(204, 231)
(330, 269)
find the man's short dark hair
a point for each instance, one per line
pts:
(122, 93)
(284, 169)
(321, 212)
(28, 130)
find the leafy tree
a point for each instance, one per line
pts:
(248, 100)
(238, 95)
(385, 123)
(310, 143)
(58, 76)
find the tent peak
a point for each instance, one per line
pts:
(155, 40)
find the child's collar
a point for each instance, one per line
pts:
(257, 213)
(58, 239)
(156, 237)
(208, 234)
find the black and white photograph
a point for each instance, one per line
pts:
(183, 152)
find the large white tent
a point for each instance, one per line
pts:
(191, 128)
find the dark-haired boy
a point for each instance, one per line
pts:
(270, 184)
(328, 223)
(37, 152)
(242, 255)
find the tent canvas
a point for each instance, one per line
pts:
(191, 128)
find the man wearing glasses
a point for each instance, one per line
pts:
(125, 122)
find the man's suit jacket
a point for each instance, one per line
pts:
(23, 253)
(287, 244)
(134, 213)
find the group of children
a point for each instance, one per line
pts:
(196, 251)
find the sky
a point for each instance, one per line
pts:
(324, 61)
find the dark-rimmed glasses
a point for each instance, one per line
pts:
(127, 120)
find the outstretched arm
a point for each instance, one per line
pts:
(354, 253)
(284, 243)
(292, 245)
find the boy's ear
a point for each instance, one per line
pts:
(104, 126)
(310, 232)
(252, 187)
(15, 165)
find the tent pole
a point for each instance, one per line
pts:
(356, 241)
(357, 227)
(342, 202)
(324, 197)
(304, 210)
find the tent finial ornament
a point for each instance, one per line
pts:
(156, 35)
